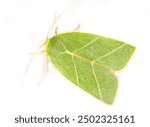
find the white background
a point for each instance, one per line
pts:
(23, 27)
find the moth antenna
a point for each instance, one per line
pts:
(54, 25)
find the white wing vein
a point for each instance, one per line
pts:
(64, 46)
(86, 45)
(75, 68)
(109, 53)
(98, 85)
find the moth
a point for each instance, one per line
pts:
(89, 61)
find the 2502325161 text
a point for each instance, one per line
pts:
(98, 119)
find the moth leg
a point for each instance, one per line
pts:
(41, 45)
(32, 56)
(37, 53)
(45, 70)
(27, 68)
(56, 30)
(77, 28)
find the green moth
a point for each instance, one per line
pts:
(89, 61)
